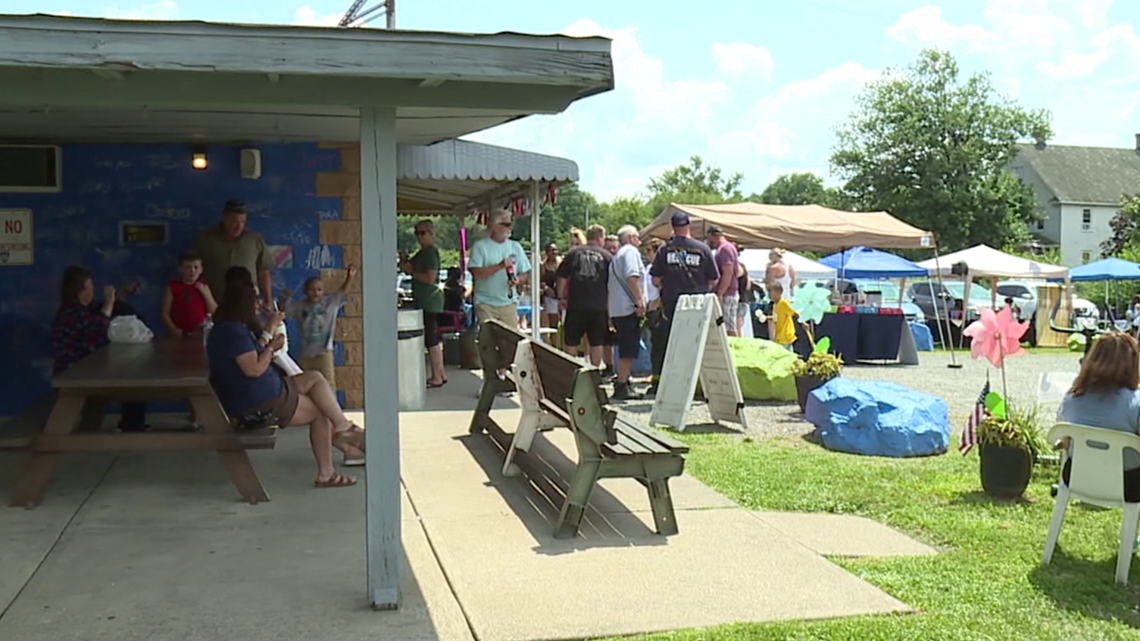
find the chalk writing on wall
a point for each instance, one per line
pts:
(16, 237)
(319, 257)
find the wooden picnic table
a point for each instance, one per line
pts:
(160, 370)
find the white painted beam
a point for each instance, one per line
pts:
(378, 230)
(536, 257)
(69, 87)
(358, 53)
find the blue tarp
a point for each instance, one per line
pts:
(1105, 269)
(864, 262)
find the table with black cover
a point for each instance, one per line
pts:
(858, 337)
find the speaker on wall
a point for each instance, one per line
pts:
(251, 164)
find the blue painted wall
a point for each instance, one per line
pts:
(106, 184)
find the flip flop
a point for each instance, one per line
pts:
(353, 436)
(353, 461)
(336, 480)
(432, 385)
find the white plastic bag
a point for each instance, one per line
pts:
(129, 329)
(281, 357)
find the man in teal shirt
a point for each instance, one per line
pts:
(499, 267)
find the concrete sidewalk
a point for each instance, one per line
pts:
(155, 546)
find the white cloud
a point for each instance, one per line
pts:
(654, 120)
(161, 10)
(308, 16)
(738, 59)
(926, 26)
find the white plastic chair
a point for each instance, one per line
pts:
(1096, 477)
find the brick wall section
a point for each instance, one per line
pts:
(345, 184)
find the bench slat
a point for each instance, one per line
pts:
(643, 442)
(651, 437)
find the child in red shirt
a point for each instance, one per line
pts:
(187, 301)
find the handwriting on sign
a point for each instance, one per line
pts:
(63, 211)
(112, 163)
(165, 161)
(166, 212)
(259, 208)
(297, 236)
(319, 257)
(321, 163)
(92, 187)
(328, 214)
(146, 185)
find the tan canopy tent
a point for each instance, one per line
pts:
(795, 226)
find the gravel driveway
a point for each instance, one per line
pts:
(958, 387)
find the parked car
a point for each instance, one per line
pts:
(922, 293)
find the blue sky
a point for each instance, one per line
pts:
(754, 86)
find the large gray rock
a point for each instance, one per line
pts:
(878, 419)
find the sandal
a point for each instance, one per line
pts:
(353, 436)
(336, 480)
(432, 385)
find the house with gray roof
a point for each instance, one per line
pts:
(1079, 191)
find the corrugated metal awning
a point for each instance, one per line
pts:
(457, 176)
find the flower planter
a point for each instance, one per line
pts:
(804, 386)
(1005, 470)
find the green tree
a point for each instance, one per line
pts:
(801, 188)
(932, 148)
(1125, 226)
(695, 182)
(572, 207)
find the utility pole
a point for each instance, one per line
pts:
(358, 16)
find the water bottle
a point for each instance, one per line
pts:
(207, 325)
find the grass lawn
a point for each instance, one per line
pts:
(986, 584)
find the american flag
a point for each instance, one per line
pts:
(977, 415)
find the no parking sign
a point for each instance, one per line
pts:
(15, 237)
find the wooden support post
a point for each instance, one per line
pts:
(378, 231)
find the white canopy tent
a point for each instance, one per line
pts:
(756, 262)
(983, 261)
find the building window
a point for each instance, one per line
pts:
(1085, 258)
(1040, 224)
(1086, 219)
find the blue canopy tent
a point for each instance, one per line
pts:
(864, 262)
(1105, 269)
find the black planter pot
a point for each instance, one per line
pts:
(804, 386)
(1005, 470)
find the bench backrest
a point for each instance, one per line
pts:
(497, 344)
(561, 376)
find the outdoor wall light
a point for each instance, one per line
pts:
(198, 160)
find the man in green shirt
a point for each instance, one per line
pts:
(230, 244)
(428, 296)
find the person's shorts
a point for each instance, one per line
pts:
(285, 405)
(730, 308)
(505, 314)
(549, 306)
(431, 329)
(627, 339)
(594, 325)
(322, 363)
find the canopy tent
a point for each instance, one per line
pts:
(985, 261)
(1106, 269)
(864, 262)
(795, 226)
(756, 262)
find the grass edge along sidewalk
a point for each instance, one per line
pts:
(987, 582)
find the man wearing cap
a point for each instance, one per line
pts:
(231, 244)
(727, 288)
(499, 268)
(683, 266)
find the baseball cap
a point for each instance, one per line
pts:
(714, 230)
(680, 219)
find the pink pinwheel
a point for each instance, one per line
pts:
(996, 336)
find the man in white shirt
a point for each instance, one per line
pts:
(627, 307)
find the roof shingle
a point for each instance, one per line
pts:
(1085, 175)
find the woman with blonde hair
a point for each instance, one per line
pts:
(577, 237)
(1104, 395)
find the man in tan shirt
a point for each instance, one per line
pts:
(230, 244)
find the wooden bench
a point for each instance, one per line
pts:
(555, 390)
(19, 431)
